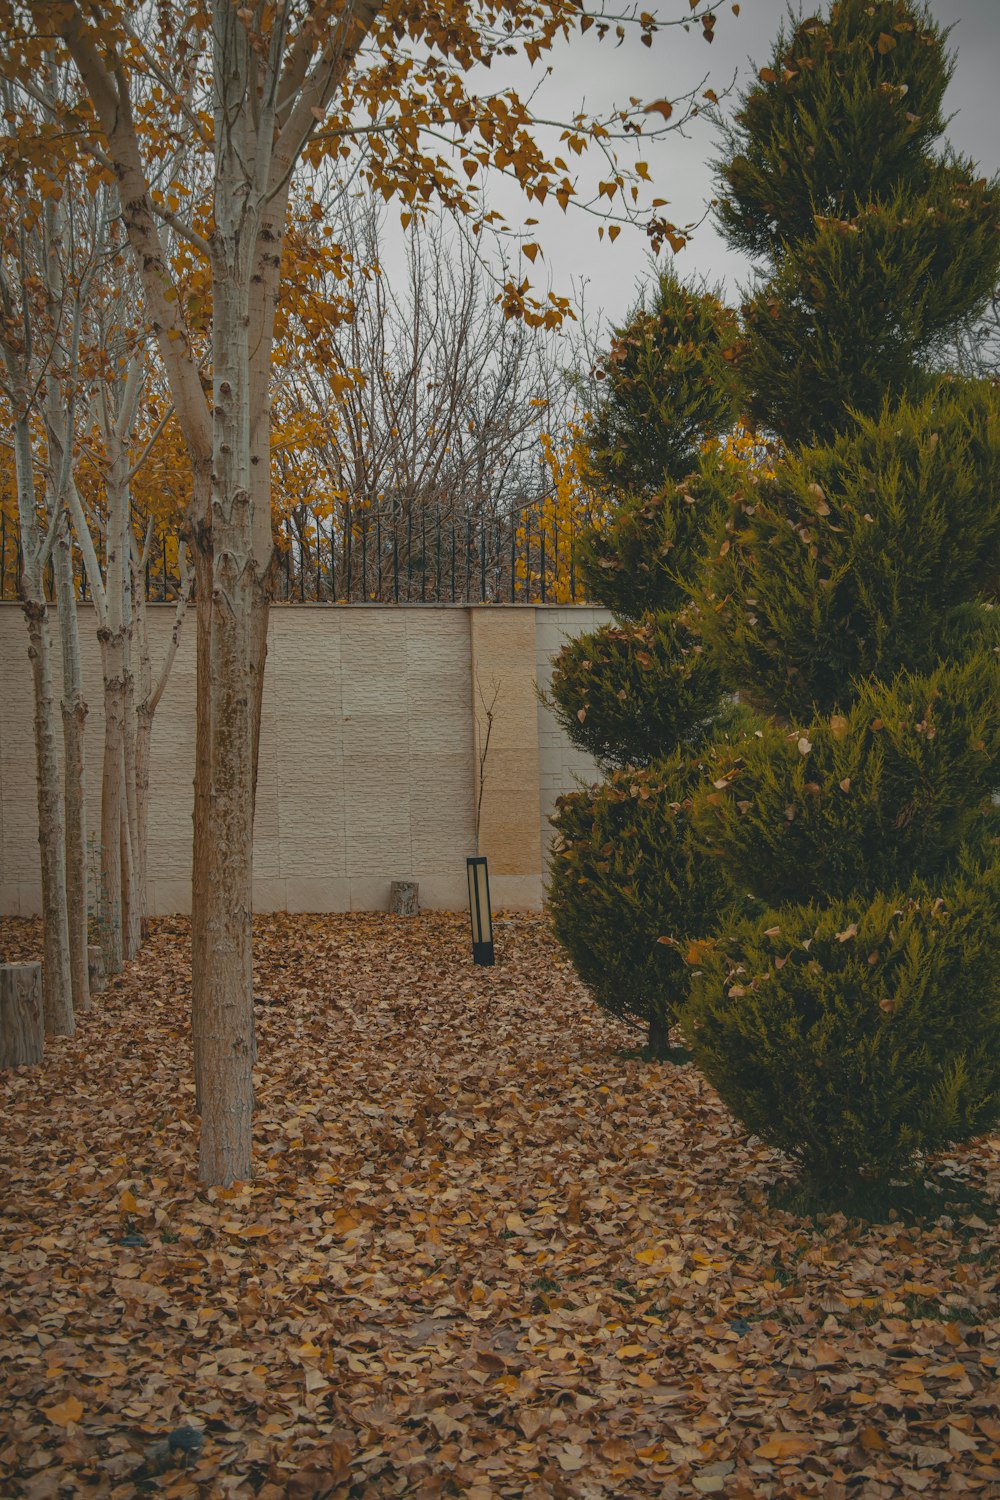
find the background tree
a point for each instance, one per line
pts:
(977, 342)
(39, 349)
(628, 889)
(423, 394)
(856, 1024)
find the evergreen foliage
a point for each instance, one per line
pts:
(631, 564)
(641, 695)
(862, 556)
(855, 1036)
(873, 246)
(629, 694)
(865, 801)
(668, 384)
(856, 1025)
(628, 885)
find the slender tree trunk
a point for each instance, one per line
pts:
(229, 626)
(57, 984)
(57, 987)
(202, 784)
(133, 887)
(143, 748)
(130, 912)
(131, 906)
(74, 718)
(112, 793)
(658, 1040)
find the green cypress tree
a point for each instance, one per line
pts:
(626, 886)
(873, 245)
(856, 1024)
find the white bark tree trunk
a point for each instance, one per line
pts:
(57, 985)
(112, 796)
(74, 720)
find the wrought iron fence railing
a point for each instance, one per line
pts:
(358, 552)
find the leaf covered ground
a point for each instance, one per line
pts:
(484, 1254)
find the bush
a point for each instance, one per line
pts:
(667, 385)
(642, 693)
(641, 561)
(858, 1037)
(874, 244)
(860, 802)
(851, 560)
(629, 888)
(630, 694)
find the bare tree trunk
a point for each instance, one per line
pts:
(120, 916)
(130, 910)
(134, 927)
(202, 783)
(111, 798)
(74, 718)
(57, 984)
(229, 611)
(22, 1036)
(57, 987)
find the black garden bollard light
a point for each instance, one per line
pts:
(479, 909)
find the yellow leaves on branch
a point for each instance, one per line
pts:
(566, 510)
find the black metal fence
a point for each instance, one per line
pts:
(362, 553)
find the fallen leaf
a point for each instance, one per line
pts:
(64, 1412)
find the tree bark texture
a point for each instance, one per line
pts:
(404, 898)
(74, 721)
(112, 797)
(22, 1033)
(222, 896)
(57, 987)
(95, 963)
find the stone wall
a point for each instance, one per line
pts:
(372, 764)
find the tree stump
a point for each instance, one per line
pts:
(98, 973)
(404, 898)
(22, 1024)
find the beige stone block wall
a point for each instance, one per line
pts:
(506, 749)
(369, 758)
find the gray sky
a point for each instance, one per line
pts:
(597, 74)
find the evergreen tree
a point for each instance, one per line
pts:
(874, 247)
(856, 1024)
(626, 885)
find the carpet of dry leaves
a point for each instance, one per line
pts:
(484, 1254)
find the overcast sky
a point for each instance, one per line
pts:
(596, 74)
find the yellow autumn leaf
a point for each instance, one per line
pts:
(127, 1203)
(784, 1445)
(70, 1410)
